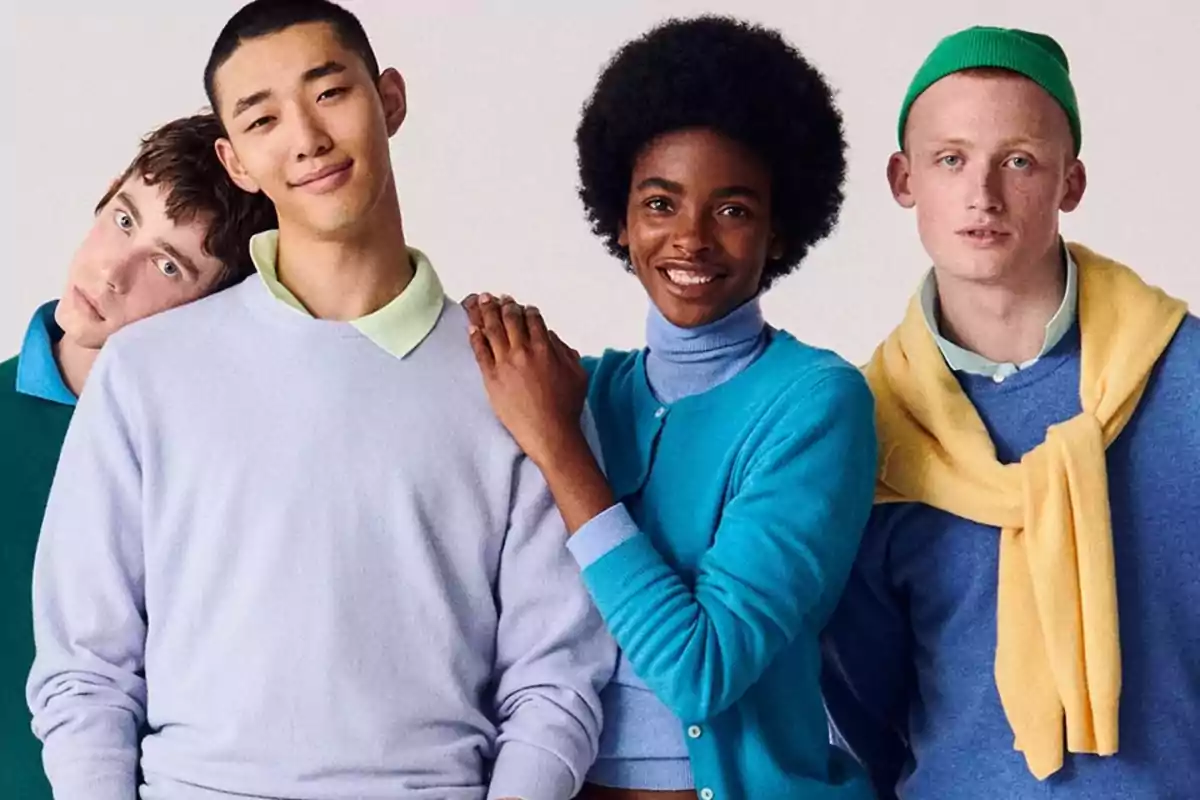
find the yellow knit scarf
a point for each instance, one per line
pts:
(1057, 649)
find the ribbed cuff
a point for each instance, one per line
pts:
(74, 784)
(602, 534)
(529, 773)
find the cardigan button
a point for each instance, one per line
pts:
(660, 413)
(694, 732)
(706, 794)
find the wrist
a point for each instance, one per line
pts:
(579, 486)
(562, 448)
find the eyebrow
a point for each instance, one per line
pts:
(125, 200)
(1013, 142)
(316, 73)
(677, 188)
(183, 260)
(737, 191)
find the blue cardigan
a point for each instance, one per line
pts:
(743, 508)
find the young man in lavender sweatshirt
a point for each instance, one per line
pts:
(288, 536)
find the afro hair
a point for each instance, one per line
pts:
(738, 79)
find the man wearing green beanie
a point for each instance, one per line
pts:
(1022, 617)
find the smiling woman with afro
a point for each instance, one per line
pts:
(739, 462)
(740, 80)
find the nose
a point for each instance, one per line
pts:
(693, 232)
(117, 274)
(311, 140)
(985, 192)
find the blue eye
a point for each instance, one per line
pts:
(168, 268)
(1020, 162)
(123, 220)
(950, 161)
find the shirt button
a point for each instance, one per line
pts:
(998, 377)
(660, 413)
(706, 794)
(694, 732)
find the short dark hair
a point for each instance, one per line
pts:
(181, 155)
(740, 80)
(263, 17)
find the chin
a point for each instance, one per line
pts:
(688, 316)
(974, 266)
(86, 336)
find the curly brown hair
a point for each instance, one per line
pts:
(181, 154)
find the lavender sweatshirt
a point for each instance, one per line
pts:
(307, 569)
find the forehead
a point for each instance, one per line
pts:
(148, 204)
(700, 153)
(278, 60)
(987, 106)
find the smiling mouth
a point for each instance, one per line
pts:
(324, 173)
(684, 277)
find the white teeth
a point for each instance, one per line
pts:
(685, 278)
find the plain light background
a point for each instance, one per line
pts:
(485, 162)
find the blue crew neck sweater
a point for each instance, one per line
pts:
(305, 568)
(910, 678)
(739, 511)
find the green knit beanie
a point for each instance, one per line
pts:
(1034, 55)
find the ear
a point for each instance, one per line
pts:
(623, 236)
(775, 248)
(233, 166)
(898, 174)
(1076, 185)
(394, 96)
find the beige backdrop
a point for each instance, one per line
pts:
(485, 162)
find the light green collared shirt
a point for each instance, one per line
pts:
(398, 327)
(960, 359)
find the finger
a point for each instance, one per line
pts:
(493, 326)
(470, 304)
(564, 350)
(539, 336)
(483, 351)
(514, 324)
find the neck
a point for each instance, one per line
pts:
(670, 342)
(1003, 321)
(74, 363)
(349, 277)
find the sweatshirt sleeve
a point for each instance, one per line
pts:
(781, 553)
(86, 688)
(553, 655)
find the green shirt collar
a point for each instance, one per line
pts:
(960, 359)
(398, 327)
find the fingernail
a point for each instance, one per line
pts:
(532, 310)
(485, 298)
(472, 330)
